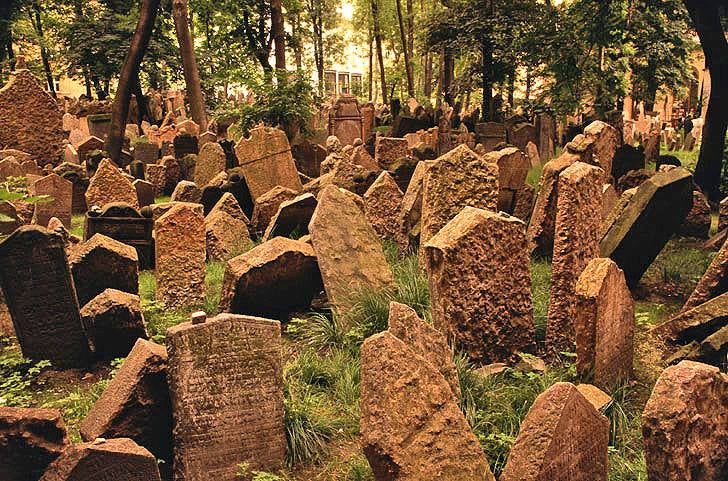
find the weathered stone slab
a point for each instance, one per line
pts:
(513, 168)
(272, 280)
(110, 185)
(40, 294)
(125, 224)
(345, 120)
(490, 134)
(389, 150)
(292, 218)
(696, 323)
(210, 162)
(604, 324)
(30, 120)
(411, 425)
(226, 232)
(266, 161)
(425, 340)
(308, 157)
(136, 405)
(458, 179)
(180, 256)
(10, 167)
(606, 141)
(226, 386)
(685, 424)
(697, 221)
(480, 285)
(713, 283)
(382, 203)
(349, 253)
(562, 437)
(30, 439)
(61, 192)
(103, 263)
(576, 242)
(653, 214)
(411, 210)
(88, 145)
(113, 321)
(145, 192)
(8, 210)
(105, 460)
(266, 207)
(186, 191)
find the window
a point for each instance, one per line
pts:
(344, 83)
(330, 82)
(357, 85)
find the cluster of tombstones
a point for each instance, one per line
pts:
(211, 399)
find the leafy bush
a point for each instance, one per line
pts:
(17, 378)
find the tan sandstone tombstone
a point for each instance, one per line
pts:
(60, 191)
(226, 232)
(382, 203)
(713, 283)
(513, 168)
(349, 253)
(109, 185)
(411, 210)
(533, 155)
(576, 242)
(562, 437)
(266, 161)
(266, 207)
(604, 324)
(456, 180)
(226, 385)
(136, 404)
(345, 120)
(685, 424)
(411, 425)
(480, 283)
(180, 256)
(609, 200)
(10, 167)
(388, 150)
(104, 460)
(210, 162)
(606, 141)
(292, 217)
(30, 120)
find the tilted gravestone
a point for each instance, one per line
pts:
(210, 162)
(490, 134)
(125, 224)
(637, 234)
(478, 272)
(41, 296)
(345, 120)
(60, 193)
(226, 383)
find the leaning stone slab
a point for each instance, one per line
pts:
(697, 323)
(411, 425)
(210, 162)
(30, 440)
(685, 424)
(653, 214)
(562, 437)
(109, 185)
(114, 321)
(226, 386)
(266, 207)
(226, 235)
(576, 242)
(136, 404)
(604, 324)
(104, 460)
(292, 218)
(41, 297)
(410, 213)
(458, 179)
(713, 283)
(606, 141)
(382, 203)
(480, 284)
(349, 253)
(272, 280)
(513, 168)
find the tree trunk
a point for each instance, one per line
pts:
(405, 49)
(189, 63)
(427, 87)
(371, 66)
(707, 21)
(87, 82)
(298, 46)
(486, 108)
(141, 100)
(448, 74)
(38, 27)
(380, 55)
(278, 33)
(130, 72)
(100, 94)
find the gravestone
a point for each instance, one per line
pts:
(79, 184)
(685, 424)
(513, 166)
(125, 224)
(458, 179)
(103, 263)
(186, 191)
(146, 152)
(606, 141)
(382, 202)
(273, 280)
(562, 437)
(156, 174)
(136, 405)
(113, 321)
(479, 278)
(88, 145)
(180, 256)
(110, 185)
(41, 297)
(604, 324)
(545, 134)
(389, 150)
(520, 134)
(226, 383)
(349, 253)
(226, 230)
(411, 425)
(30, 439)
(60, 191)
(411, 210)
(637, 233)
(697, 221)
(345, 120)
(713, 283)
(490, 134)
(292, 218)
(184, 144)
(30, 119)
(368, 120)
(8, 210)
(266, 207)
(210, 162)
(576, 242)
(651, 143)
(98, 125)
(9, 167)
(104, 460)
(308, 157)
(266, 161)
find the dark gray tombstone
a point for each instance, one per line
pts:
(185, 144)
(124, 223)
(40, 294)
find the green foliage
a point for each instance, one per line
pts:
(318, 330)
(308, 423)
(540, 293)
(18, 377)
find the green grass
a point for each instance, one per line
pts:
(540, 292)
(162, 199)
(534, 175)
(680, 264)
(78, 221)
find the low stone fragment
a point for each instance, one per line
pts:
(697, 222)
(382, 202)
(187, 191)
(292, 217)
(113, 321)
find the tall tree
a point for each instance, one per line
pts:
(706, 16)
(376, 30)
(35, 19)
(278, 33)
(189, 62)
(129, 75)
(406, 50)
